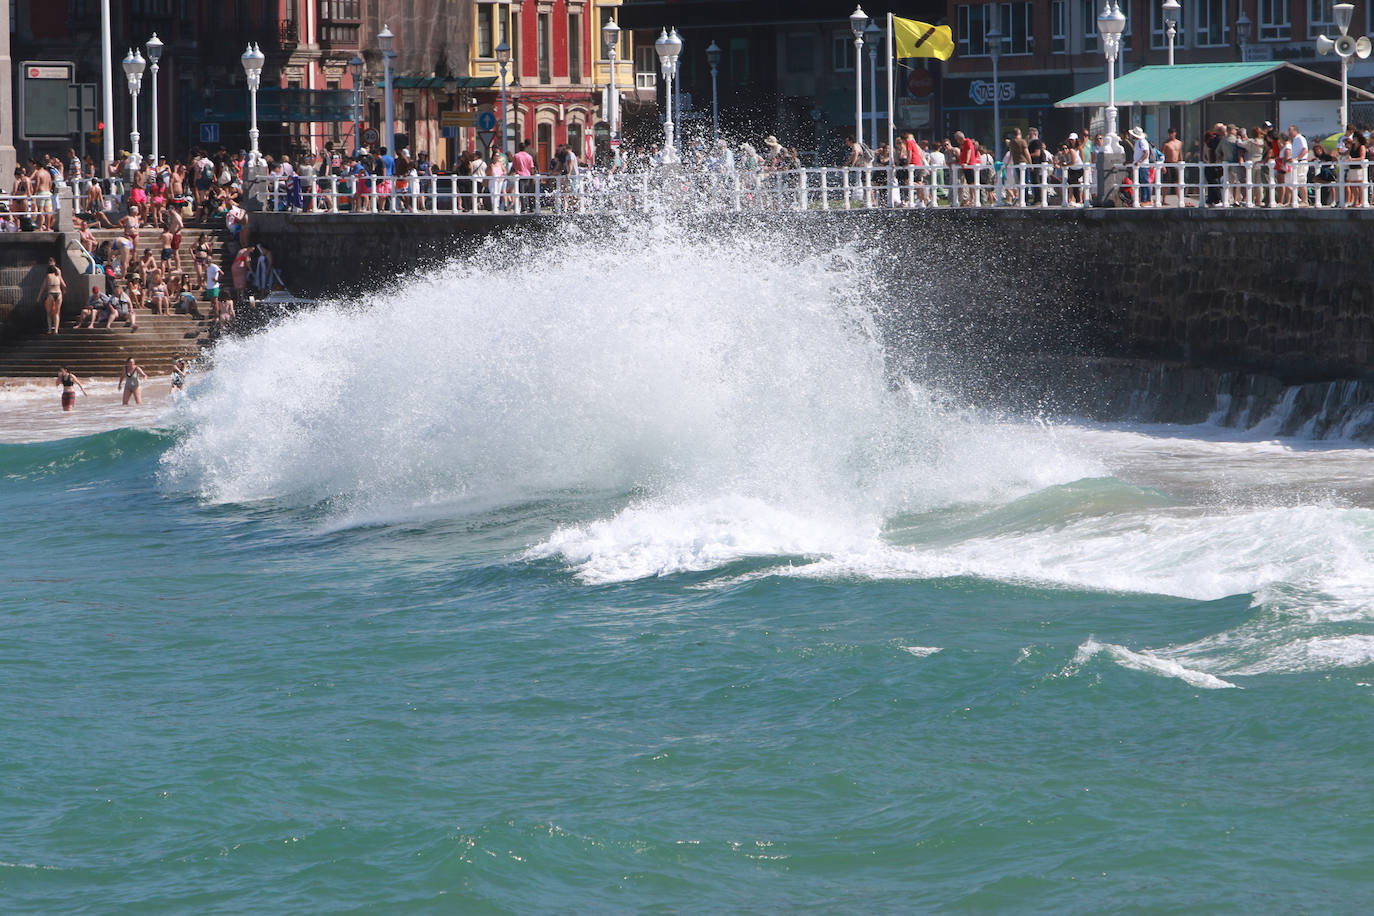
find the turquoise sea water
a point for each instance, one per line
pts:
(481, 599)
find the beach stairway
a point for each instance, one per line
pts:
(100, 353)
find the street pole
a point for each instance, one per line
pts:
(355, 68)
(502, 61)
(154, 47)
(858, 20)
(1171, 10)
(994, 37)
(133, 70)
(386, 41)
(668, 47)
(871, 34)
(713, 53)
(252, 60)
(107, 87)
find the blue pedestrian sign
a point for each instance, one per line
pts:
(209, 133)
(486, 121)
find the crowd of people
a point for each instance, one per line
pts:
(130, 382)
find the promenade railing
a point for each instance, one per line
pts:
(1048, 186)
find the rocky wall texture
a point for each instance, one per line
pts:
(1289, 294)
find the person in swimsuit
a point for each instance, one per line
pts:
(157, 295)
(54, 288)
(181, 371)
(69, 383)
(201, 255)
(133, 377)
(130, 224)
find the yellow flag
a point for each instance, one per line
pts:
(921, 39)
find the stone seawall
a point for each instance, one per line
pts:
(1287, 294)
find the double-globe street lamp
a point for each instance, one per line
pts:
(252, 60)
(386, 41)
(668, 46)
(355, 69)
(133, 70)
(858, 21)
(713, 59)
(154, 47)
(503, 61)
(610, 40)
(1110, 24)
(1171, 10)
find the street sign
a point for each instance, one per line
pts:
(456, 119)
(44, 100)
(487, 137)
(209, 133)
(486, 120)
(451, 133)
(371, 137)
(920, 83)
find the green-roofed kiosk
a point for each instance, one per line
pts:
(1198, 95)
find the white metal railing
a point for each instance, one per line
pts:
(1154, 184)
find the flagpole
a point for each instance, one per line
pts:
(891, 114)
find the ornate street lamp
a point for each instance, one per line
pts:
(610, 40)
(252, 68)
(668, 46)
(355, 69)
(713, 59)
(502, 61)
(1345, 47)
(1243, 25)
(871, 36)
(1110, 24)
(154, 47)
(1171, 11)
(858, 21)
(133, 71)
(386, 41)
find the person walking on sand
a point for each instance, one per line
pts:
(54, 288)
(132, 379)
(69, 383)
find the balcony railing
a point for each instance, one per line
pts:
(287, 33)
(339, 35)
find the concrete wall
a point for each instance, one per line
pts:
(23, 263)
(1286, 293)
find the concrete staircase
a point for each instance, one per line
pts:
(151, 240)
(100, 353)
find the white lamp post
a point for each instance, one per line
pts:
(858, 21)
(502, 61)
(713, 58)
(355, 69)
(1110, 24)
(610, 40)
(387, 42)
(154, 47)
(1171, 11)
(1243, 25)
(871, 35)
(1345, 47)
(994, 39)
(133, 71)
(252, 69)
(668, 47)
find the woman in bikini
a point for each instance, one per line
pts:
(131, 224)
(157, 294)
(201, 256)
(69, 383)
(130, 382)
(54, 286)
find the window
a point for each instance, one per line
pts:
(1059, 29)
(646, 62)
(1017, 35)
(739, 61)
(1089, 24)
(1320, 20)
(545, 38)
(544, 134)
(493, 27)
(1213, 31)
(1274, 24)
(973, 28)
(842, 53)
(574, 48)
(1158, 37)
(800, 54)
(335, 10)
(1015, 26)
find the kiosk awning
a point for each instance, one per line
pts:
(1188, 84)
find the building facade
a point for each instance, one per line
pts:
(1051, 50)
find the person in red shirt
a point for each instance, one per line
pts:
(968, 162)
(522, 166)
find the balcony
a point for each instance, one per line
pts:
(287, 33)
(339, 36)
